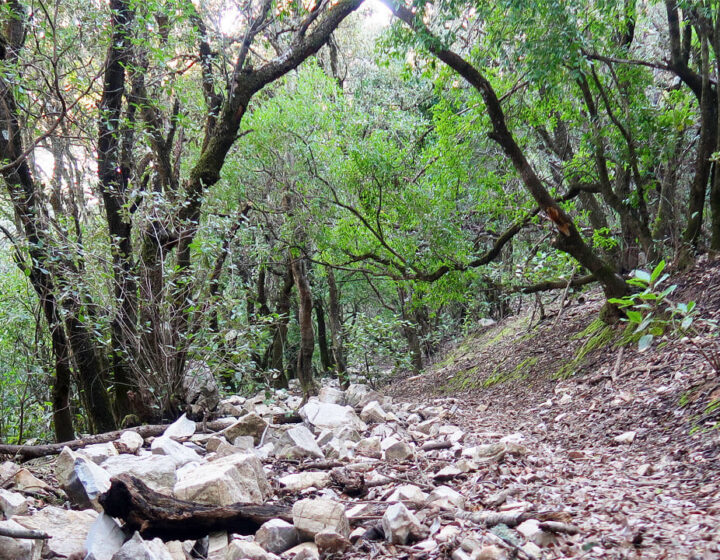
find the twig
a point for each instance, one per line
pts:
(23, 534)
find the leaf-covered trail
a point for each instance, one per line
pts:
(612, 446)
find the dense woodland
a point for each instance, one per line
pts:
(276, 190)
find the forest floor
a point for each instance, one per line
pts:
(627, 443)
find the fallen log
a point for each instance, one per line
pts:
(27, 452)
(157, 515)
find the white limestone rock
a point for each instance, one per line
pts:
(398, 451)
(358, 395)
(407, 493)
(98, 452)
(277, 536)
(182, 428)
(157, 471)
(138, 549)
(104, 539)
(251, 424)
(311, 516)
(246, 550)
(236, 478)
(300, 481)
(129, 442)
(297, 443)
(303, 551)
(180, 454)
(332, 395)
(82, 480)
(12, 503)
(400, 525)
(446, 498)
(330, 416)
(372, 412)
(55, 522)
(331, 542)
(15, 549)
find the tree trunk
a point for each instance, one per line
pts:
(325, 357)
(307, 337)
(336, 327)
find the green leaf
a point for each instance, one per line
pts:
(645, 342)
(634, 316)
(687, 321)
(657, 271)
(642, 276)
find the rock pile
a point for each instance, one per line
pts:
(359, 474)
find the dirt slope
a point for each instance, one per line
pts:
(568, 389)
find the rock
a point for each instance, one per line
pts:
(369, 447)
(200, 389)
(180, 454)
(486, 322)
(331, 542)
(138, 549)
(645, 469)
(358, 395)
(300, 481)
(129, 442)
(157, 471)
(249, 425)
(625, 438)
(298, 443)
(485, 453)
(490, 553)
(25, 480)
(242, 550)
(532, 550)
(330, 416)
(12, 503)
(18, 549)
(212, 444)
(244, 442)
(400, 525)
(407, 493)
(311, 516)
(98, 452)
(55, 522)
(82, 480)
(104, 539)
(236, 478)
(446, 498)
(182, 428)
(332, 395)
(531, 530)
(373, 412)
(276, 536)
(398, 451)
(303, 551)
(8, 470)
(448, 533)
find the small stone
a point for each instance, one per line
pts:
(300, 481)
(212, 444)
(531, 549)
(369, 447)
(625, 438)
(311, 516)
(330, 542)
(246, 550)
(490, 553)
(129, 442)
(249, 425)
(176, 451)
(138, 549)
(446, 498)
(408, 493)
(182, 428)
(298, 443)
(104, 539)
(244, 442)
(303, 551)
(400, 525)
(399, 451)
(645, 470)
(276, 536)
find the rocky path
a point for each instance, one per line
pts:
(368, 476)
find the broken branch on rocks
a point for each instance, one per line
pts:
(157, 515)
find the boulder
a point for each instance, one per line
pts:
(331, 395)
(249, 425)
(236, 478)
(12, 503)
(311, 516)
(330, 416)
(400, 525)
(331, 542)
(104, 539)
(98, 452)
(398, 451)
(157, 471)
(303, 551)
(82, 480)
(200, 389)
(373, 412)
(276, 536)
(55, 522)
(358, 395)
(297, 443)
(16, 549)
